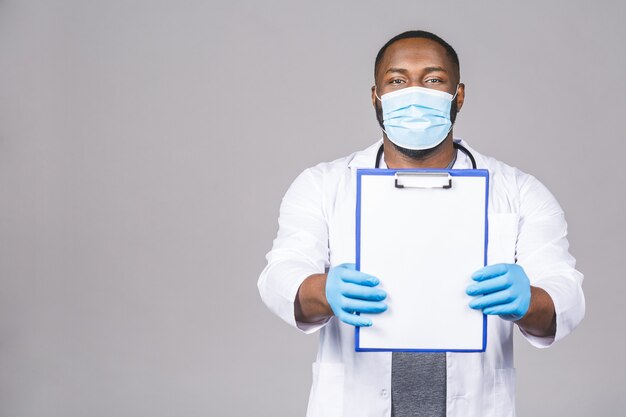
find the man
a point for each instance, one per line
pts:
(310, 280)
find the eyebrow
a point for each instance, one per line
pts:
(400, 70)
(427, 70)
(435, 69)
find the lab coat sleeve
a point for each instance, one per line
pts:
(299, 250)
(543, 251)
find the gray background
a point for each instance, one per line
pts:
(145, 147)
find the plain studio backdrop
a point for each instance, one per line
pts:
(145, 147)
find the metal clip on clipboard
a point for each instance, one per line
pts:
(423, 180)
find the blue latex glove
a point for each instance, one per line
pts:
(501, 289)
(350, 291)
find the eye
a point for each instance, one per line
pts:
(433, 80)
(396, 81)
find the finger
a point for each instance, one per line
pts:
(362, 292)
(510, 311)
(351, 305)
(488, 286)
(358, 277)
(490, 271)
(493, 299)
(354, 320)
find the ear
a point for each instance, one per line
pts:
(374, 96)
(460, 97)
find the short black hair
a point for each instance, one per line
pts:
(418, 34)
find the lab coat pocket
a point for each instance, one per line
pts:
(326, 399)
(504, 392)
(502, 241)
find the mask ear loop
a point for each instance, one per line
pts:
(376, 94)
(451, 100)
(456, 92)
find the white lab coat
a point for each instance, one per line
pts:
(317, 232)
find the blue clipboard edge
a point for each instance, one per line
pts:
(455, 173)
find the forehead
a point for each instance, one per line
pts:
(415, 53)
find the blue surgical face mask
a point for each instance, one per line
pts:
(416, 117)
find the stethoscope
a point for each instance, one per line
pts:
(458, 146)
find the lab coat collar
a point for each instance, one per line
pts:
(367, 157)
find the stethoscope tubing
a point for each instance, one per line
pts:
(458, 146)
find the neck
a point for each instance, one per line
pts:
(440, 158)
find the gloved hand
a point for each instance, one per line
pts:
(350, 291)
(502, 289)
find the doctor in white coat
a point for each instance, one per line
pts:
(310, 281)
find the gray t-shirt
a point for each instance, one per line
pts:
(418, 384)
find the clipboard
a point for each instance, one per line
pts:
(423, 233)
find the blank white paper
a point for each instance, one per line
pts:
(423, 245)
